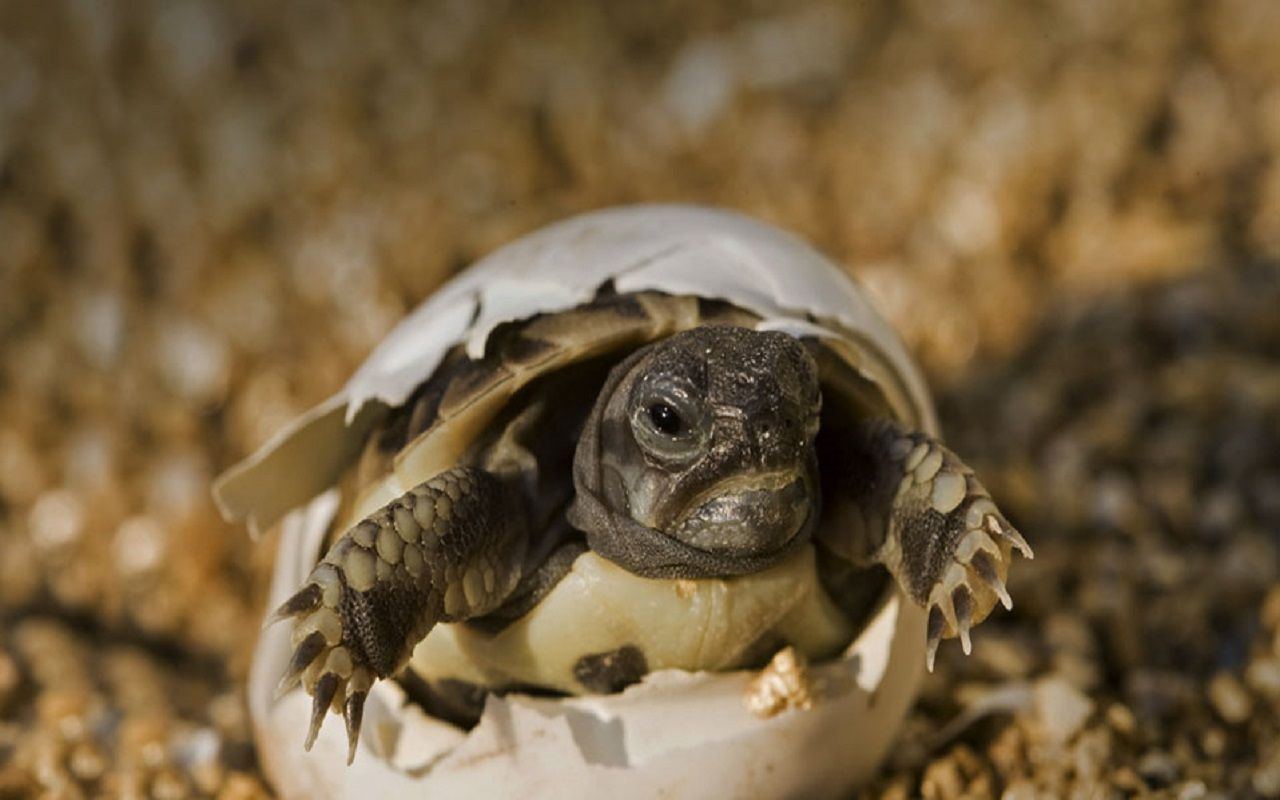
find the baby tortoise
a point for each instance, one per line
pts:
(648, 450)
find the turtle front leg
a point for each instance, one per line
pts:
(449, 549)
(906, 501)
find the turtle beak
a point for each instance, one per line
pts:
(743, 516)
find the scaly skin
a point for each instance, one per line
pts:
(449, 549)
(698, 460)
(915, 507)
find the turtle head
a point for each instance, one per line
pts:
(706, 438)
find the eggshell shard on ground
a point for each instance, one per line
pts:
(675, 733)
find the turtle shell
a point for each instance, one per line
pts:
(593, 286)
(674, 250)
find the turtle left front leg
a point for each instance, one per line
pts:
(902, 499)
(450, 549)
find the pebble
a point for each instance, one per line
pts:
(1214, 742)
(1092, 753)
(1157, 768)
(1263, 676)
(942, 780)
(1192, 790)
(87, 762)
(1229, 698)
(1121, 719)
(1061, 709)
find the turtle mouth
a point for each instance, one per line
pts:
(744, 516)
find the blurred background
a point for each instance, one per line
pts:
(211, 211)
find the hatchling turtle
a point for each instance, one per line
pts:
(642, 440)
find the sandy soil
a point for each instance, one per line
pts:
(209, 213)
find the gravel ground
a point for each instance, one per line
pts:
(210, 212)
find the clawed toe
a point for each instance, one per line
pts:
(946, 542)
(974, 582)
(303, 655)
(320, 662)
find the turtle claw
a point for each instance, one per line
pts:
(333, 673)
(974, 581)
(986, 569)
(353, 710)
(306, 600)
(322, 698)
(962, 604)
(1011, 533)
(936, 626)
(305, 653)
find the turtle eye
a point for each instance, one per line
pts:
(665, 418)
(671, 424)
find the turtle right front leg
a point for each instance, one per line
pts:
(449, 549)
(902, 499)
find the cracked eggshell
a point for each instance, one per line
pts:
(676, 733)
(669, 248)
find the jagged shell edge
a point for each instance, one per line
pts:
(670, 248)
(675, 734)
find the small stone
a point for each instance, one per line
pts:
(1091, 753)
(57, 519)
(1192, 790)
(1214, 742)
(87, 762)
(139, 546)
(1008, 751)
(1158, 769)
(1126, 779)
(229, 714)
(207, 776)
(168, 784)
(193, 360)
(1229, 698)
(1121, 719)
(942, 780)
(1263, 676)
(1061, 709)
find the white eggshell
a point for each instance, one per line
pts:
(675, 734)
(669, 248)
